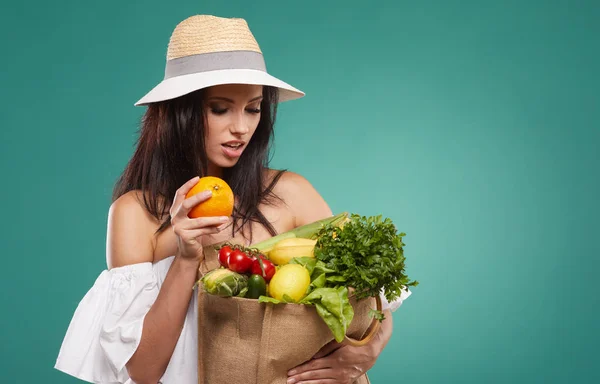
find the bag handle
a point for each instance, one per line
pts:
(372, 330)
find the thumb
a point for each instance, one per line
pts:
(327, 349)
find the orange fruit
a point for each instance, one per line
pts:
(219, 204)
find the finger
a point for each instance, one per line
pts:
(203, 222)
(225, 225)
(312, 365)
(189, 203)
(327, 349)
(326, 381)
(182, 191)
(309, 376)
(192, 201)
(191, 236)
(316, 381)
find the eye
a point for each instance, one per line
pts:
(218, 111)
(253, 110)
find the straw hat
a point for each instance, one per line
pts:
(207, 50)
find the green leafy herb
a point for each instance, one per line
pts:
(365, 254)
(376, 314)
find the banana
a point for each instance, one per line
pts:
(285, 250)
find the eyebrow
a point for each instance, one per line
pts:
(231, 101)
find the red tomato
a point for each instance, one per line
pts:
(239, 261)
(254, 256)
(267, 265)
(224, 253)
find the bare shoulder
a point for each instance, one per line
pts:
(130, 231)
(306, 203)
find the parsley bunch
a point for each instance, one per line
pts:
(365, 254)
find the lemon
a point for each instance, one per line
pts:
(291, 280)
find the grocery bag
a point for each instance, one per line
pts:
(243, 341)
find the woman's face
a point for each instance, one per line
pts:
(232, 115)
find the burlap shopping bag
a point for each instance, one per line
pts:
(243, 341)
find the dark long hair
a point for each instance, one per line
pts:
(171, 150)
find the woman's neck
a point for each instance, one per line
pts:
(214, 170)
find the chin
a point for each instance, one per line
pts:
(224, 162)
(218, 159)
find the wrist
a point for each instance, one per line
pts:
(187, 264)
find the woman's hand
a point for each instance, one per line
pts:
(337, 363)
(344, 365)
(190, 231)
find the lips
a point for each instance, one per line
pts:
(233, 145)
(233, 148)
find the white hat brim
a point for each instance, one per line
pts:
(182, 85)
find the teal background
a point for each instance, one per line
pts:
(474, 125)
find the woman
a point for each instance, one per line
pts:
(213, 114)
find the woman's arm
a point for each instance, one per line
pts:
(339, 363)
(130, 241)
(334, 363)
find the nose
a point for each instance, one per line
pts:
(240, 124)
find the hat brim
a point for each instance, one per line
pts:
(182, 85)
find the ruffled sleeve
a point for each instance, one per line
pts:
(106, 327)
(394, 305)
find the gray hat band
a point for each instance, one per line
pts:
(215, 61)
